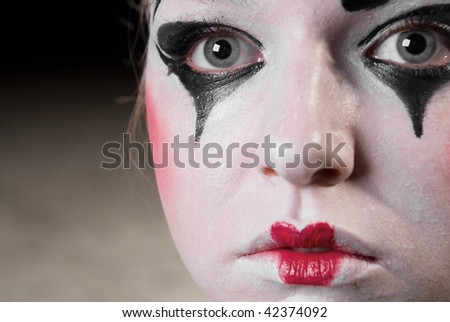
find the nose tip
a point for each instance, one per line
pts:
(326, 162)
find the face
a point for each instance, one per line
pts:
(334, 124)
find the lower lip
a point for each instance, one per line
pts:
(317, 269)
(331, 268)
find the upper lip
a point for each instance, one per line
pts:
(312, 241)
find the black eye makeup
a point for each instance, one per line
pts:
(411, 54)
(211, 60)
(357, 5)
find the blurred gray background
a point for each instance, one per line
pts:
(70, 231)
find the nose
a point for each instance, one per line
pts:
(310, 132)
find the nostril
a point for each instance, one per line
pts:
(327, 176)
(269, 172)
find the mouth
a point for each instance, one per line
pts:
(311, 256)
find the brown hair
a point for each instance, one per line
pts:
(137, 125)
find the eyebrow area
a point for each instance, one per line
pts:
(242, 2)
(349, 5)
(358, 5)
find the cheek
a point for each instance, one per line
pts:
(159, 132)
(436, 143)
(429, 191)
(409, 174)
(447, 159)
(440, 162)
(169, 112)
(154, 127)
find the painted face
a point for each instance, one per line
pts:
(333, 120)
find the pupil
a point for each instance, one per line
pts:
(415, 44)
(222, 49)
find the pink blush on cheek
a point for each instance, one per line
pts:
(154, 127)
(157, 128)
(157, 132)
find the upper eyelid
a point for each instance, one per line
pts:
(435, 12)
(235, 31)
(209, 25)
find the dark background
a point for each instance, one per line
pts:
(42, 35)
(69, 230)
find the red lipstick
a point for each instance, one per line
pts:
(307, 257)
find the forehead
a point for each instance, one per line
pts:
(349, 5)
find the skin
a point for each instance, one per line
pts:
(392, 195)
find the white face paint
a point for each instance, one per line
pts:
(389, 203)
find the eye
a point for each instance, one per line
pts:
(223, 53)
(414, 48)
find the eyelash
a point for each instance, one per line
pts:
(181, 44)
(191, 37)
(406, 24)
(412, 23)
